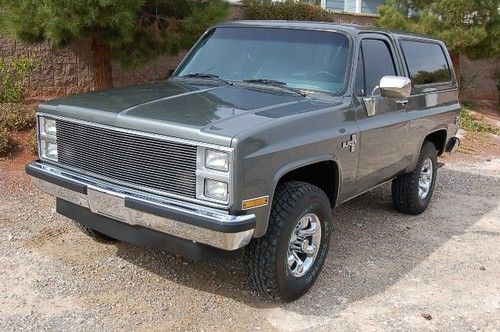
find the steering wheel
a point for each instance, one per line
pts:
(323, 73)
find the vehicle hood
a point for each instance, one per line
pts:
(201, 112)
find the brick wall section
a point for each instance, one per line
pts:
(59, 72)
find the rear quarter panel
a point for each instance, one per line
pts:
(431, 107)
(428, 113)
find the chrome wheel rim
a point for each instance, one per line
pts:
(425, 180)
(304, 245)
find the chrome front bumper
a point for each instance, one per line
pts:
(189, 221)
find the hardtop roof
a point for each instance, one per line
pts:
(351, 29)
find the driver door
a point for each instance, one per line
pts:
(383, 134)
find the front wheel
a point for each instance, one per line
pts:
(284, 263)
(412, 192)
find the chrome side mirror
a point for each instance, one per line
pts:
(395, 86)
(390, 86)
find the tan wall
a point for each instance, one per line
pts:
(156, 70)
(70, 70)
(59, 71)
(479, 78)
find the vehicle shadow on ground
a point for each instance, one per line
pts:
(372, 246)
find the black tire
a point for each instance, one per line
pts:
(266, 257)
(97, 236)
(405, 188)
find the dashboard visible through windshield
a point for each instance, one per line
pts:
(300, 59)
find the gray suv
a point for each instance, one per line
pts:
(260, 132)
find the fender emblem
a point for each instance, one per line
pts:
(351, 144)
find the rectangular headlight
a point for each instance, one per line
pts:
(217, 160)
(216, 189)
(49, 126)
(48, 149)
(214, 174)
(47, 133)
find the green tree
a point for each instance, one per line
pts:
(469, 27)
(131, 31)
(284, 10)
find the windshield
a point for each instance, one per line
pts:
(303, 59)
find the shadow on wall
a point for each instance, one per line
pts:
(372, 247)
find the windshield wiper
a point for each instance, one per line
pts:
(275, 83)
(206, 76)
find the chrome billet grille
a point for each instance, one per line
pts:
(138, 160)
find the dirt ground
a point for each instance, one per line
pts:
(385, 270)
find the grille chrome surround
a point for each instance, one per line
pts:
(139, 160)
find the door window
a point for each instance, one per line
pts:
(360, 75)
(377, 61)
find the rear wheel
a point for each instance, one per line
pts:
(284, 263)
(97, 236)
(412, 192)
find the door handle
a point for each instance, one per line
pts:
(402, 102)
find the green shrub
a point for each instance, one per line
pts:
(33, 142)
(287, 10)
(12, 75)
(5, 141)
(17, 116)
(468, 123)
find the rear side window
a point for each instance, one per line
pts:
(426, 62)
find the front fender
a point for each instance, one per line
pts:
(302, 163)
(263, 214)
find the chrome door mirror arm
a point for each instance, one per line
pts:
(375, 90)
(371, 102)
(390, 86)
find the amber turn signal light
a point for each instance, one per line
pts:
(255, 202)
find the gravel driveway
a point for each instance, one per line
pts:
(385, 271)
